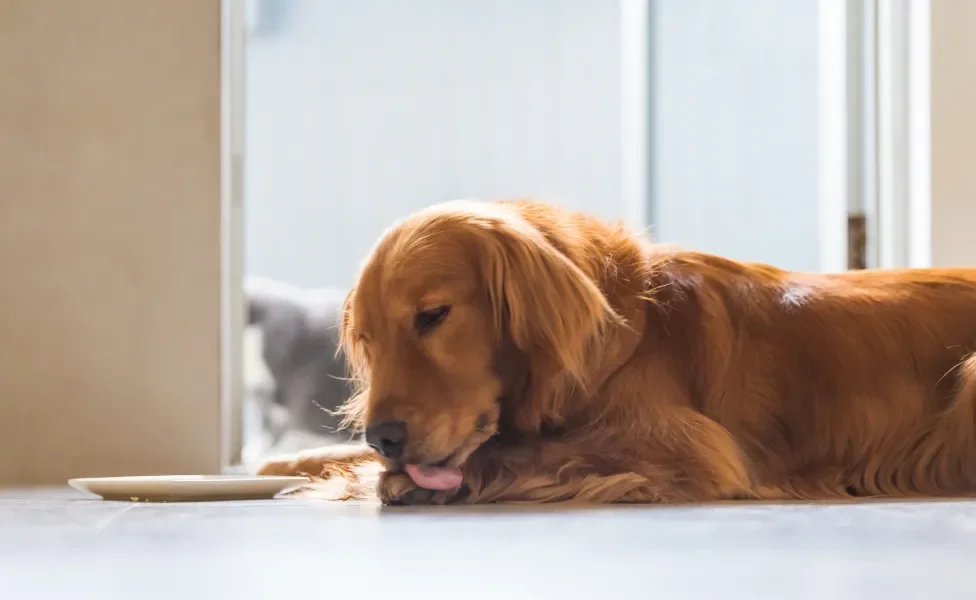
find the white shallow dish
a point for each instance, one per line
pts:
(187, 488)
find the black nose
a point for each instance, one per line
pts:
(388, 438)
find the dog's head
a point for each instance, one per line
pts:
(445, 303)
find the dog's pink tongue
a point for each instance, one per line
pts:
(435, 478)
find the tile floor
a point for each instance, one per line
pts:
(57, 544)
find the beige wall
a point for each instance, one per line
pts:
(109, 238)
(953, 132)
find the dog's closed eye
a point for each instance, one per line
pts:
(425, 320)
(482, 423)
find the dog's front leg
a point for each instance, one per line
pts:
(323, 462)
(685, 457)
(569, 470)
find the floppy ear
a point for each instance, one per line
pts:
(346, 335)
(548, 304)
(354, 408)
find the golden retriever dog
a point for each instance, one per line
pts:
(517, 352)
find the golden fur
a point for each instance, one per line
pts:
(608, 369)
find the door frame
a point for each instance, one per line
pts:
(840, 124)
(232, 300)
(904, 202)
(875, 119)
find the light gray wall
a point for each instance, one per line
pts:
(734, 128)
(361, 112)
(953, 185)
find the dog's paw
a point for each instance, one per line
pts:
(397, 489)
(320, 462)
(288, 466)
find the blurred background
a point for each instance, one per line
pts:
(358, 113)
(695, 119)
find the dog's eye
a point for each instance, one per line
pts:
(482, 422)
(425, 320)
